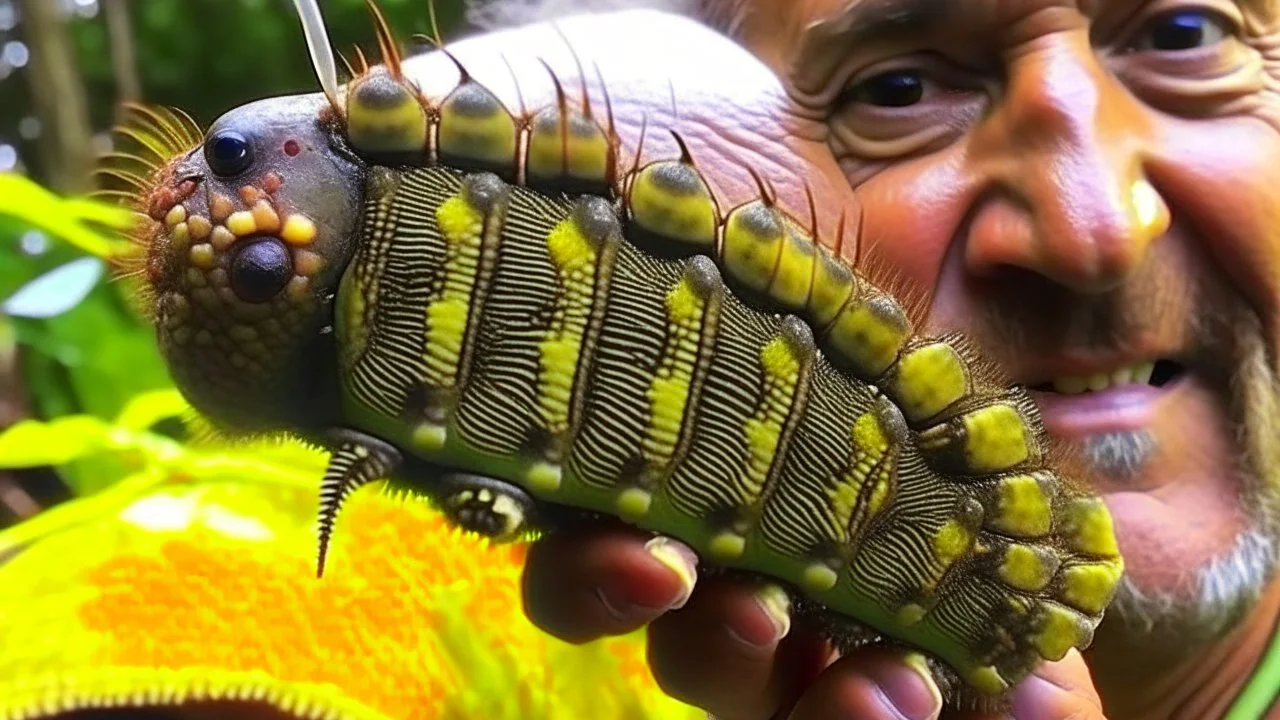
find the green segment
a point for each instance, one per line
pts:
(630, 385)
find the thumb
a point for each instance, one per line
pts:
(1059, 690)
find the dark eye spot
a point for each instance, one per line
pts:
(260, 269)
(228, 153)
(1185, 30)
(895, 88)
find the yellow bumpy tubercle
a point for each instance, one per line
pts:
(987, 679)
(671, 200)
(833, 283)
(1027, 568)
(475, 126)
(727, 546)
(868, 333)
(996, 438)
(449, 309)
(385, 115)
(1090, 528)
(446, 323)
(753, 238)
(669, 390)
(872, 460)
(634, 503)
(928, 380)
(793, 277)
(589, 151)
(298, 230)
(1022, 504)
(990, 439)
(1089, 587)
(574, 260)
(785, 362)
(692, 307)
(1059, 629)
(952, 541)
(578, 150)
(819, 578)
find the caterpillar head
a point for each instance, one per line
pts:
(243, 236)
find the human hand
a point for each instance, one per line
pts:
(730, 648)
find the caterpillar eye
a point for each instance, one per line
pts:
(260, 269)
(228, 153)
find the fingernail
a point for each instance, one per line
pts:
(625, 612)
(909, 687)
(681, 561)
(1033, 695)
(776, 604)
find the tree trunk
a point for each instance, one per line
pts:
(124, 64)
(58, 98)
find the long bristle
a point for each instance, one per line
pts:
(132, 180)
(582, 74)
(464, 76)
(346, 64)
(635, 161)
(362, 60)
(562, 104)
(318, 45)
(838, 251)
(686, 157)
(386, 41)
(147, 141)
(435, 25)
(615, 142)
(175, 126)
(515, 82)
(916, 301)
(766, 194)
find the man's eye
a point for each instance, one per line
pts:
(893, 88)
(1184, 30)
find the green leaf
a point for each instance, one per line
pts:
(149, 408)
(30, 443)
(57, 291)
(26, 200)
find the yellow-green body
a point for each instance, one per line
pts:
(495, 330)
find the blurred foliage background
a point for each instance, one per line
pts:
(70, 342)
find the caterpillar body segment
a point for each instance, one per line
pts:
(526, 338)
(763, 251)
(495, 311)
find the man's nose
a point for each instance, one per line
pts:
(1067, 194)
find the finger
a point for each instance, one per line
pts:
(583, 585)
(873, 684)
(731, 651)
(1056, 691)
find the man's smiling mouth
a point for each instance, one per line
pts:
(1156, 373)
(1123, 399)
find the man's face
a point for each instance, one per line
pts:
(1093, 188)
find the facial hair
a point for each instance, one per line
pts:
(1229, 585)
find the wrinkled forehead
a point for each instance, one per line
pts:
(818, 33)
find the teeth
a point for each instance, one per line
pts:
(1142, 373)
(1139, 374)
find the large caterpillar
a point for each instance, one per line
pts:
(488, 308)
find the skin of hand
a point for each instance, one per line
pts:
(1084, 187)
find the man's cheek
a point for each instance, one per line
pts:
(915, 214)
(1220, 179)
